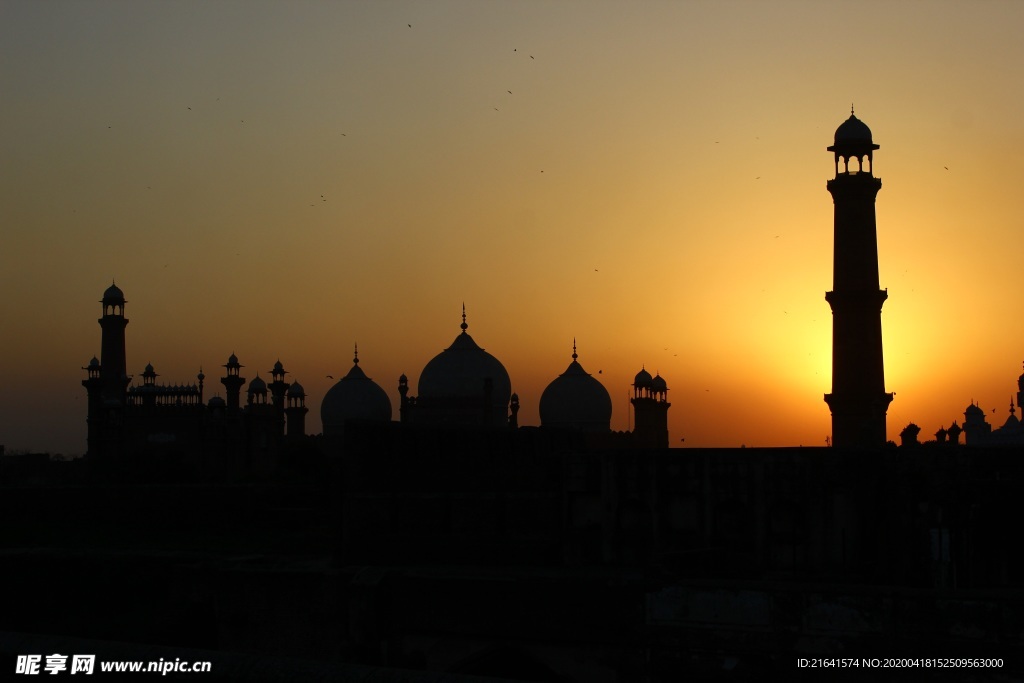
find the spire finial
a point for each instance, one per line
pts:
(574, 356)
(851, 108)
(1012, 409)
(464, 326)
(356, 354)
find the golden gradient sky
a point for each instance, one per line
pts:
(653, 186)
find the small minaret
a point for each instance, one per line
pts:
(94, 417)
(113, 365)
(278, 386)
(858, 400)
(149, 386)
(650, 410)
(233, 384)
(296, 411)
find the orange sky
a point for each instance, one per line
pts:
(281, 180)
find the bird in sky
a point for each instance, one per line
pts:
(330, 376)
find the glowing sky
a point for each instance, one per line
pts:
(283, 179)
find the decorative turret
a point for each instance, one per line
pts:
(233, 382)
(257, 392)
(650, 410)
(112, 352)
(296, 411)
(278, 386)
(93, 384)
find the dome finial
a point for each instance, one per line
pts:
(851, 108)
(574, 356)
(464, 326)
(356, 354)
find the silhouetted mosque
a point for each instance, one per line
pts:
(463, 387)
(457, 542)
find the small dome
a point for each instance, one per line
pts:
(354, 397)
(974, 410)
(257, 386)
(576, 400)
(643, 379)
(232, 360)
(278, 369)
(853, 131)
(296, 390)
(217, 402)
(149, 368)
(94, 362)
(113, 295)
(658, 383)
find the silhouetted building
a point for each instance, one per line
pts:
(858, 400)
(168, 427)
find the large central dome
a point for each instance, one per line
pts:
(462, 375)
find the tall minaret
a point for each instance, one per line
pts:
(113, 366)
(858, 400)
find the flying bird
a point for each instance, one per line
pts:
(330, 376)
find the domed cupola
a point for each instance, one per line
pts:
(464, 385)
(643, 379)
(113, 296)
(576, 400)
(853, 148)
(853, 131)
(257, 391)
(354, 397)
(658, 384)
